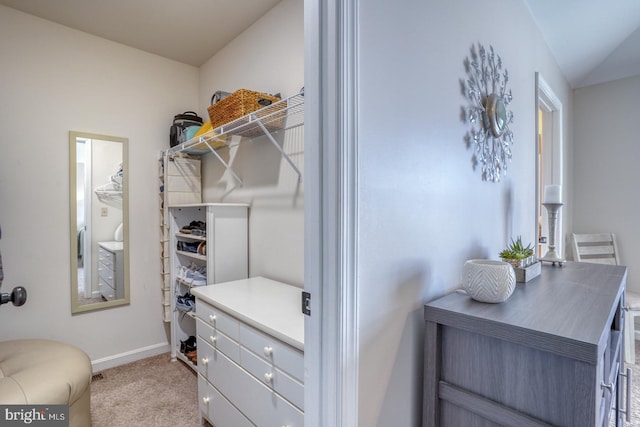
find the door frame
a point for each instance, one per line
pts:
(547, 100)
(331, 331)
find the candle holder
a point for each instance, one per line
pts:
(553, 210)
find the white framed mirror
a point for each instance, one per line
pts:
(98, 220)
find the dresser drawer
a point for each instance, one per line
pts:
(217, 319)
(218, 340)
(260, 404)
(205, 356)
(274, 378)
(106, 290)
(216, 408)
(277, 353)
(106, 257)
(105, 273)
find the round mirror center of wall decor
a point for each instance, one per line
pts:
(497, 115)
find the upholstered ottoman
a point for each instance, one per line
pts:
(44, 372)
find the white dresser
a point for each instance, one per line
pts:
(250, 336)
(111, 270)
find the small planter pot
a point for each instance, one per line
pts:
(520, 263)
(488, 280)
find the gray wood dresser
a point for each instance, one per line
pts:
(549, 355)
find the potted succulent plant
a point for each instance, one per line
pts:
(517, 254)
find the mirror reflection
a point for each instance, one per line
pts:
(98, 221)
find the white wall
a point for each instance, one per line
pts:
(267, 57)
(423, 210)
(53, 80)
(606, 166)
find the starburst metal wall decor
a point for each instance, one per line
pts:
(486, 91)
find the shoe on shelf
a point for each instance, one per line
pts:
(194, 225)
(186, 302)
(193, 274)
(202, 248)
(183, 270)
(197, 279)
(193, 356)
(188, 345)
(198, 232)
(188, 246)
(197, 276)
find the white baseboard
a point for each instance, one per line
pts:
(129, 356)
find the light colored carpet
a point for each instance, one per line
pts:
(153, 392)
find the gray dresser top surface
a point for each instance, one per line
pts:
(567, 310)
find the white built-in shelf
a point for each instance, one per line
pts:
(186, 283)
(191, 236)
(192, 255)
(191, 314)
(188, 362)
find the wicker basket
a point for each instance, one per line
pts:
(243, 102)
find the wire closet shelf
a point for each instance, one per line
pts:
(279, 116)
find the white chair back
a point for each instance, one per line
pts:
(600, 248)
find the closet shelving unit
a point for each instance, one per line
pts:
(179, 183)
(225, 257)
(279, 116)
(264, 123)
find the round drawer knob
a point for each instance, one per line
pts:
(212, 339)
(268, 377)
(268, 351)
(212, 318)
(205, 361)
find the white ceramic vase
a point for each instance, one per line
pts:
(488, 280)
